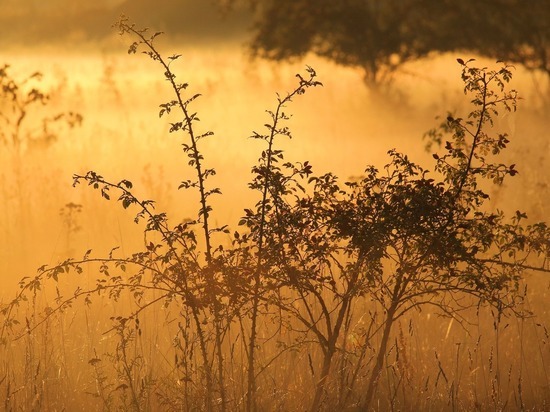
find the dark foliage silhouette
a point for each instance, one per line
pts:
(379, 37)
(309, 257)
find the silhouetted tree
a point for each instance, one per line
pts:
(381, 36)
(509, 30)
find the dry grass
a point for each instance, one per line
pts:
(75, 361)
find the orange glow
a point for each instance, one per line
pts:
(342, 128)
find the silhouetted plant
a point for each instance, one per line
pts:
(267, 180)
(17, 97)
(312, 253)
(205, 280)
(405, 237)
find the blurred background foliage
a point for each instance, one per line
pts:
(34, 23)
(376, 36)
(379, 36)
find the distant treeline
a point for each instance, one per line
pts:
(61, 21)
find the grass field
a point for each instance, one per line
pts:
(77, 361)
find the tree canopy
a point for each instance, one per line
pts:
(379, 36)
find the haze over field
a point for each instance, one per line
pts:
(341, 128)
(29, 23)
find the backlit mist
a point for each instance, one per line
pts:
(341, 127)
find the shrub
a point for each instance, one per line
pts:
(310, 256)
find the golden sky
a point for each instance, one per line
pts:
(35, 23)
